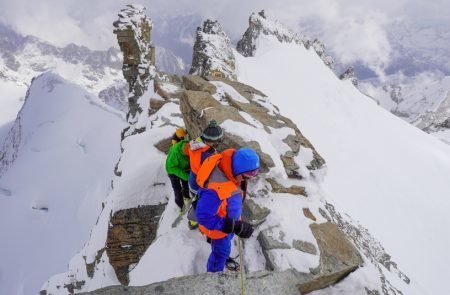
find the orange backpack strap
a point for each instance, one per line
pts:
(206, 168)
(224, 189)
(195, 158)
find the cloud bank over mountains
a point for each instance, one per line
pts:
(354, 31)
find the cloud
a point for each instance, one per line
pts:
(353, 30)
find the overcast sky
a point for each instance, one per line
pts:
(354, 29)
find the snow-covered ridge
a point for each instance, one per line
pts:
(377, 164)
(261, 25)
(25, 57)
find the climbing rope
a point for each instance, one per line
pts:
(241, 268)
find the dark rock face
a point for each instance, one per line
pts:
(130, 233)
(133, 30)
(212, 55)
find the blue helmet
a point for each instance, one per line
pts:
(244, 160)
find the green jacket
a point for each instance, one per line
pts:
(177, 162)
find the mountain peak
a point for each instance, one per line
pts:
(212, 55)
(259, 24)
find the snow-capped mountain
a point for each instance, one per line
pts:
(56, 166)
(422, 100)
(25, 57)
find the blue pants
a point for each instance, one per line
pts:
(220, 251)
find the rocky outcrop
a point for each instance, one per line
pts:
(212, 55)
(215, 284)
(133, 30)
(260, 24)
(370, 248)
(438, 119)
(349, 74)
(319, 48)
(280, 189)
(338, 257)
(130, 233)
(199, 106)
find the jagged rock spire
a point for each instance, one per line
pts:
(212, 55)
(260, 24)
(133, 30)
(349, 74)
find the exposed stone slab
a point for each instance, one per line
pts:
(308, 214)
(267, 241)
(303, 246)
(130, 233)
(197, 83)
(254, 213)
(294, 189)
(259, 283)
(338, 257)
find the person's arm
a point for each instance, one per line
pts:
(234, 207)
(232, 223)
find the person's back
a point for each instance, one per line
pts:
(220, 201)
(202, 148)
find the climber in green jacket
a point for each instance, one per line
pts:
(177, 167)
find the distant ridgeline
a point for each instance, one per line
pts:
(300, 244)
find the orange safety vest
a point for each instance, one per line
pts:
(215, 174)
(195, 158)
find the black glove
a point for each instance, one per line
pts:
(241, 228)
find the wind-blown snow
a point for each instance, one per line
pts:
(387, 174)
(52, 194)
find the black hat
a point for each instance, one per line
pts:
(212, 132)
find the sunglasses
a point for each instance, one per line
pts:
(250, 174)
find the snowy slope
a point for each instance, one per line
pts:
(387, 174)
(52, 194)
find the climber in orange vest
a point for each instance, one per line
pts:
(220, 201)
(200, 149)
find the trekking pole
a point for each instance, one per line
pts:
(242, 266)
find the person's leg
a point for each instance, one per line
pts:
(185, 189)
(220, 250)
(176, 185)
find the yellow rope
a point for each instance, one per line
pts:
(241, 267)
